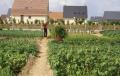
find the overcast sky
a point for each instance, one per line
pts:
(95, 7)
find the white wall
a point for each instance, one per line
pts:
(32, 19)
(71, 21)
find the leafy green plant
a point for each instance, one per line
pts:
(1, 21)
(20, 33)
(6, 72)
(14, 54)
(58, 32)
(112, 33)
(85, 56)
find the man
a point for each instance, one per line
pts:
(45, 25)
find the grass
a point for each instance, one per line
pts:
(20, 33)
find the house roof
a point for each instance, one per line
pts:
(30, 7)
(9, 12)
(75, 11)
(3, 16)
(56, 15)
(112, 15)
(96, 18)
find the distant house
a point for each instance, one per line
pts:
(72, 12)
(9, 12)
(30, 10)
(96, 18)
(112, 15)
(56, 15)
(4, 17)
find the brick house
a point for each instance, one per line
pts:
(56, 15)
(30, 10)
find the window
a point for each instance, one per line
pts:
(83, 13)
(29, 17)
(74, 13)
(79, 13)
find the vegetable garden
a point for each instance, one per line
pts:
(75, 55)
(15, 50)
(112, 33)
(20, 33)
(85, 55)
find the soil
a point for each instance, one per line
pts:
(38, 66)
(1, 38)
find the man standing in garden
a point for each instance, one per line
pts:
(45, 26)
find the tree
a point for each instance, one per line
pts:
(1, 21)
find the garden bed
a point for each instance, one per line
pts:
(85, 56)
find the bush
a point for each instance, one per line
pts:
(36, 21)
(6, 72)
(1, 21)
(0, 28)
(59, 32)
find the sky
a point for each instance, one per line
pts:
(95, 7)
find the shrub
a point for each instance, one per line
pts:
(59, 32)
(6, 72)
(1, 21)
(36, 21)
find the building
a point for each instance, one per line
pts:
(30, 10)
(9, 12)
(96, 18)
(112, 15)
(56, 15)
(72, 12)
(4, 17)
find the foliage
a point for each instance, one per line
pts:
(14, 21)
(114, 22)
(6, 72)
(20, 33)
(80, 21)
(1, 21)
(59, 30)
(61, 22)
(22, 22)
(85, 56)
(112, 33)
(37, 21)
(51, 21)
(14, 54)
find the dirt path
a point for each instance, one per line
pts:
(40, 67)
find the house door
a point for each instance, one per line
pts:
(22, 18)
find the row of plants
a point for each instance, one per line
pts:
(20, 33)
(111, 33)
(14, 54)
(14, 21)
(85, 55)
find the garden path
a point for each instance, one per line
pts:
(40, 66)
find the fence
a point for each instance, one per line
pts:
(69, 28)
(20, 26)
